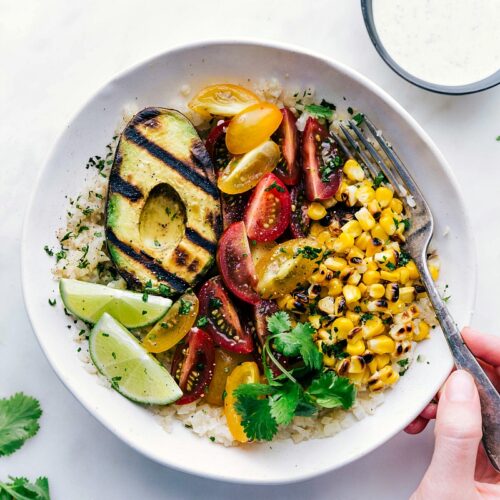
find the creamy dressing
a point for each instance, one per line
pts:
(446, 42)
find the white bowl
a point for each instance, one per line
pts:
(156, 82)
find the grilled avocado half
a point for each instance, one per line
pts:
(163, 216)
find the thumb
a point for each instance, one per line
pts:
(458, 432)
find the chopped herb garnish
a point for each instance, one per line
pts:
(365, 317)
(52, 302)
(202, 321)
(390, 266)
(276, 186)
(48, 251)
(60, 255)
(359, 118)
(215, 303)
(308, 252)
(66, 236)
(185, 307)
(404, 258)
(87, 211)
(379, 179)
(404, 364)
(319, 111)
(350, 110)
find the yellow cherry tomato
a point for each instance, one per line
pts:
(252, 126)
(225, 363)
(222, 99)
(243, 173)
(174, 326)
(246, 373)
(285, 267)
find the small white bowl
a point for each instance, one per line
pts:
(157, 82)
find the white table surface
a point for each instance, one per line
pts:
(53, 56)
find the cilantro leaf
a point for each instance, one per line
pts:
(19, 488)
(255, 411)
(319, 111)
(359, 118)
(284, 402)
(331, 391)
(379, 179)
(18, 421)
(299, 341)
(278, 322)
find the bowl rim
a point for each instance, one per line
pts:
(262, 43)
(470, 88)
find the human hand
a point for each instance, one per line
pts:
(459, 467)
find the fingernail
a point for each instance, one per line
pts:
(460, 387)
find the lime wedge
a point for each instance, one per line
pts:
(132, 371)
(88, 301)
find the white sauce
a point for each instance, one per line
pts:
(446, 42)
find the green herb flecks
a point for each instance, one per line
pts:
(276, 186)
(308, 252)
(184, 307)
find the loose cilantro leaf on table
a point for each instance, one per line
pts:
(330, 391)
(19, 416)
(19, 488)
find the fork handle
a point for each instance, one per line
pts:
(465, 360)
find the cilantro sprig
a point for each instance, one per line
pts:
(264, 407)
(19, 488)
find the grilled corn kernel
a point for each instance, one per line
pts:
(371, 265)
(379, 305)
(335, 287)
(433, 269)
(384, 196)
(324, 335)
(284, 301)
(357, 364)
(315, 321)
(375, 385)
(328, 361)
(341, 190)
(365, 194)
(372, 365)
(341, 327)
(355, 334)
(365, 218)
(343, 243)
(353, 227)
(388, 375)
(323, 236)
(373, 207)
(397, 307)
(374, 245)
(362, 288)
(327, 305)
(373, 327)
(390, 275)
(355, 348)
(402, 347)
(362, 240)
(387, 257)
(396, 205)
(316, 229)
(355, 256)
(353, 170)
(422, 332)
(329, 203)
(354, 279)
(335, 263)
(382, 344)
(371, 277)
(392, 292)
(376, 291)
(320, 275)
(316, 211)
(388, 224)
(407, 294)
(354, 317)
(402, 331)
(404, 275)
(340, 305)
(412, 269)
(378, 232)
(351, 293)
(382, 360)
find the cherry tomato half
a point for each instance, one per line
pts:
(268, 212)
(285, 267)
(235, 263)
(299, 220)
(288, 169)
(223, 322)
(216, 146)
(223, 99)
(252, 126)
(246, 373)
(233, 207)
(244, 172)
(193, 365)
(322, 170)
(174, 326)
(225, 362)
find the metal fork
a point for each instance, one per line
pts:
(417, 241)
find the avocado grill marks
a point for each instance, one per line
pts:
(178, 284)
(197, 239)
(186, 171)
(119, 185)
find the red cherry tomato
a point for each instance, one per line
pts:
(216, 146)
(299, 220)
(235, 263)
(322, 170)
(233, 207)
(268, 212)
(223, 322)
(287, 136)
(193, 365)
